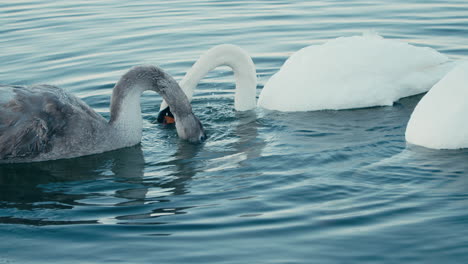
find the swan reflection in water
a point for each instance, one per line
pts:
(84, 190)
(421, 171)
(66, 184)
(115, 178)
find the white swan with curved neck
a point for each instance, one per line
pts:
(343, 73)
(43, 122)
(225, 55)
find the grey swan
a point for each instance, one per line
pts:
(43, 122)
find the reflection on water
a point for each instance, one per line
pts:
(421, 165)
(116, 178)
(49, 185)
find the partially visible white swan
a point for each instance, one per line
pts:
(439, 120)
(352, 72)
(44, 122)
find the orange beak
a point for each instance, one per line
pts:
(169, 120)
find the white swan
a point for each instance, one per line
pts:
(352, 72)
(44, 122)
(223, 55)
(439, 120)
(344, 73)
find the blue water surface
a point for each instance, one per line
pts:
(266, 187)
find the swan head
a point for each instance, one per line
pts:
(190, 128)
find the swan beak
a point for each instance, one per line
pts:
(166, 117)
(168, 120)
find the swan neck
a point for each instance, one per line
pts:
(125, 112)
(125, 105)
(240, 63)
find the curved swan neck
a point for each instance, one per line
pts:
(125, 101)
(240, 63)
(125, 109)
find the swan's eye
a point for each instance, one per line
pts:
(202, 138)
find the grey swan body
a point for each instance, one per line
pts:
(43, 122)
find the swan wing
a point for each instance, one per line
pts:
(32, 117)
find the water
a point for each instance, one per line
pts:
(267, 187)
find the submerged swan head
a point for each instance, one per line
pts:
(189, 128)
(222, 55)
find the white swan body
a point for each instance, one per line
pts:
(439, 120)
(225, 55)
(352, 72)
(43, 122)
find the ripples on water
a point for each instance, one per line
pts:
(267, 187)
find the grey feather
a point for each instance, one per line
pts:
(35, 117)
